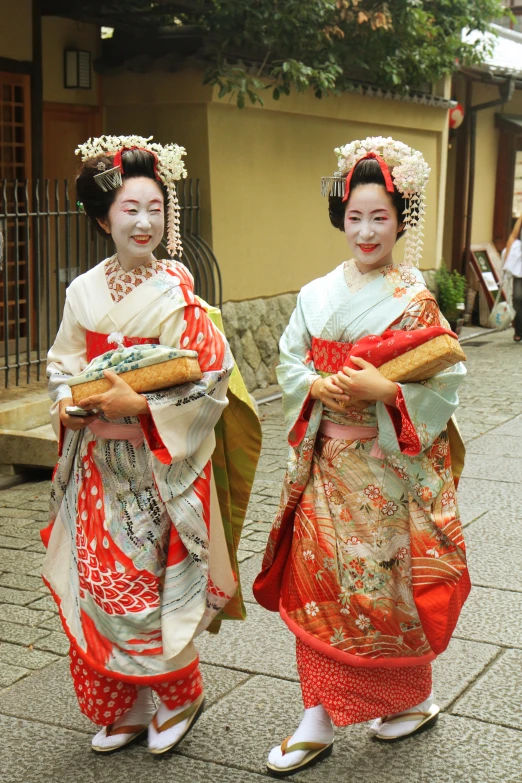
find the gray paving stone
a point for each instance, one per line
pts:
(48, 754)
(45, 603)
(492, 616)
(219, 681)
(21, 581)
(495, 527)
(36, 546)
(22, 615)
(9, 595)
(495, 564)
(29, 531)
(249, 570)
(23, 514)
(10, 542)
(494, 697)
(493, 445)
(501, 497)
(52, 624)
(35, 571)
(19, 562)
(16, 655)
(263, 711)
(54, 642)
(243, 555)
(493, 468)
(20, 634)
(469, 512)
(261, 644)
(251, 545)
(457, 668)
(513, 427)
(10, 674)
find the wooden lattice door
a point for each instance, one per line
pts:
(15, 166)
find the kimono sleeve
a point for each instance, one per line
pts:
(296, 375)
(182, 418)
(422, 409)
(67, 357)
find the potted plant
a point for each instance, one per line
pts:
(452, 296)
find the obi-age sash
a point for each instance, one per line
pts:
(330, 356)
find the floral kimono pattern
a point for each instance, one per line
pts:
(366, 560)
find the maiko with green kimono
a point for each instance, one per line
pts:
(366, 560)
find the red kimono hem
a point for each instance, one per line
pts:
(156, 679)
(348, 658)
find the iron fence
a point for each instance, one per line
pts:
(45, 242)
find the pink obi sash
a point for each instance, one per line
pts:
(352, 432)
(131, 432)
(97, 343)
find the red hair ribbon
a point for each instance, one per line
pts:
(119, 164)
(384, 168)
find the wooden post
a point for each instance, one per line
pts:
(461, 170)
(37, 95)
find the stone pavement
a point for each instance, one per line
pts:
(253, 696)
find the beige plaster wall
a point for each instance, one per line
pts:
(57, 35)
(271, 232)
(16, 29)
(260, 170)
(486, 159)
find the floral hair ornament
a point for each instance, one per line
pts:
(402, 167)
(168, 167)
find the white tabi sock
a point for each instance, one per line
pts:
(167, 738)
(315, 726)
(403, 728)
(140, 714)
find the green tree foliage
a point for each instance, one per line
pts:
(322, 44)
(251, 46)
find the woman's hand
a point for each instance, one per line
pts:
(330, 394)
(119, 401)
(73, 422)
(366, 384)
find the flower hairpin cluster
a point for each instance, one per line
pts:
(409, 172)
(170, 169)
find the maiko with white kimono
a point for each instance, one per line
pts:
(150, 491)
(365, 561)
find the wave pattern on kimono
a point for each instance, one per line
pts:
(366, 560)
(137, 558)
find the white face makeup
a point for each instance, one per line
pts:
(371, 226)
(136, 221)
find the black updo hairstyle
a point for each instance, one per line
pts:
(366, 172)
(97, 202)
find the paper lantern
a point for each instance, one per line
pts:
(456, 116)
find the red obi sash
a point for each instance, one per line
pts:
(330, 356)
(98, 343)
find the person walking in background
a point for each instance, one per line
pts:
(513, 266)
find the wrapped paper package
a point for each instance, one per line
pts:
(145, 368)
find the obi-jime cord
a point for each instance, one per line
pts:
(365, 560)
(150, 490)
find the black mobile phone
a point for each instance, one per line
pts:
(75, 410)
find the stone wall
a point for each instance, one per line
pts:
(253, 328)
